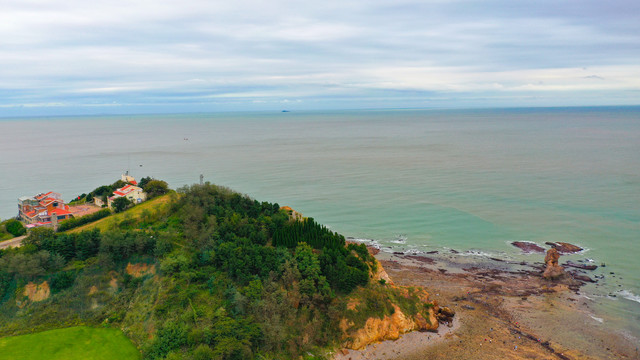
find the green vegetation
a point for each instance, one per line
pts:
(150, 211)
(121, 204)
(4, 234)
(101, 192)
(154, 187)
(75, 222)
(204, 273)
(15, 227)
(72, 343)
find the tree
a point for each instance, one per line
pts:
(156, 187)
(144, 181)
(38, 236)
(121, 204)
(15, 228)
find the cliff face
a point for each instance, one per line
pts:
(387, 328)
(393, 325)
(381, 274)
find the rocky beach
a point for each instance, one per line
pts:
(504, 310)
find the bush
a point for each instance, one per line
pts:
(62, 280)
(121, 204)
(15, 228)
(155, 188)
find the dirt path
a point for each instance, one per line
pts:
(15, 242)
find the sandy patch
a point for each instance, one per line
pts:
(37, 292)
(409, 344)
(140, 269)
(82, 210)
(93, 290)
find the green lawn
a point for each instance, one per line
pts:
(156, 204)
(72, 343)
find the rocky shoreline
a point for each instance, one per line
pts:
(504, 310)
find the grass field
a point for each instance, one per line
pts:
(152, 205)
(74, 343)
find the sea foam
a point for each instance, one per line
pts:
(629, 295)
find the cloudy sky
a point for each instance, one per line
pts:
(116, 56)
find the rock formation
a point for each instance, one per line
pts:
(565, 248)
(445, 315)
(528, 247)
(553, 270)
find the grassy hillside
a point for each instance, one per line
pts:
(72, 343)
(155, 205)
(203, 274)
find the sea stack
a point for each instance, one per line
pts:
(553, 270)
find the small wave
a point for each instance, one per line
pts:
(600, 320)
(400, 239)
(363, 240)
(585, 296)
(629, 295)
(476, 253)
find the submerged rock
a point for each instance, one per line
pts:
(528, 247)
(581, 266)
(565, 248)
(584, 278)
(553, 270)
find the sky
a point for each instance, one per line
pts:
(156, 56)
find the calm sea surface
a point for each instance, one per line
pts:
(422, 180)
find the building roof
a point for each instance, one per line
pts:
(125, 190)
(59, 212)
(43, 196)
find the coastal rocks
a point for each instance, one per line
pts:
(584, 278)
(422, 259)
(528, 247)
(553, 270)
(373, 250)
(581, 266)
(531, 247)
(445, 315)
(565, 248)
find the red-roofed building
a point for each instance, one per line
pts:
(129, 179)
(44, 209)
(131, 192)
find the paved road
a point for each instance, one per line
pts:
(15, 242)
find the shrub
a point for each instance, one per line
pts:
(15, 228)
(155, 188)
(121, 204)
(62, 280)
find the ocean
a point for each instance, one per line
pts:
(410, 180)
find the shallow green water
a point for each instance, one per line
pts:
(408, 179)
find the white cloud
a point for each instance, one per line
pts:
(77, 52)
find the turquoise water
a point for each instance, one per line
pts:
(412, 179)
